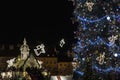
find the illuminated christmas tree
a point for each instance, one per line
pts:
(97, 49)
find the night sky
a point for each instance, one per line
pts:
(46, 21)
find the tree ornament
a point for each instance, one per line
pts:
(39, 49)
(62, 42)
(89, 5)
(10, 62)
(112, 40)
(101, 58)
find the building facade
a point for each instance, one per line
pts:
(50, 63)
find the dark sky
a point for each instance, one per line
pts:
(46, 21)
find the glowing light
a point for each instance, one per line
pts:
(83, 59)
(44, 73)
(9, 74)
(67, 77)
(10, 62)
(41, 48)
(116, 55)
(3, 74)
(62, 42)
(108, 18)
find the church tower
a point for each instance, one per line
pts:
(24, 50)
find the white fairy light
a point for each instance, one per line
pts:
(115, 54)
(108, 18)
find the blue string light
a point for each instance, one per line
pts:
(96, 20)
(79, 73)
(98, 41)
(107, 70)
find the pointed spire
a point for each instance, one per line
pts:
(24, 50)
(24, 42)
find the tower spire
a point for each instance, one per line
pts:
(24, 50)
(24, 41)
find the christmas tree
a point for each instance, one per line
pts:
(97, 47)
